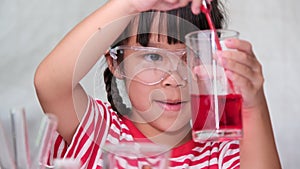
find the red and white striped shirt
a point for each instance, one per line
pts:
(101, 124)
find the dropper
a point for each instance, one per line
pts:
(206, 8)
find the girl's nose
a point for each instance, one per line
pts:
(173, 79)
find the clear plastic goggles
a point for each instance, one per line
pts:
(149, 65)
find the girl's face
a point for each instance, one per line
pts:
(156, 85)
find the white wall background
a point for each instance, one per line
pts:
(30, 29)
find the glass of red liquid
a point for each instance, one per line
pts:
(216, 106)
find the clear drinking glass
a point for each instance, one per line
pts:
(43, 141)
(215, 104)
(135, 155)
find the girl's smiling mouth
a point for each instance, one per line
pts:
(171, 105)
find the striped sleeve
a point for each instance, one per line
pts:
(229, 157)
(57, 149)
(89, 136)
(213, 155)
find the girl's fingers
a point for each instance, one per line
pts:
(163, 5)
(170, 4)
(239, 57)
(249, 89)
(242, 68)
(241, 74)
(241, 64)
(196, 6)
(172, 1)
(241, 45)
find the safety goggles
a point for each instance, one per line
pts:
(149, 65)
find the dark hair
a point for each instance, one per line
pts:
(176, 30)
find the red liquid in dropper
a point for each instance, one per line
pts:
(206, 11)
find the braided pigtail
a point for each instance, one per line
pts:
(113, 95)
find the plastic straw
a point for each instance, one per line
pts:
(20, 138)
(6, 159)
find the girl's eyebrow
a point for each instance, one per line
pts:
(162, 46)
(153, 44)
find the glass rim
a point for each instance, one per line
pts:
(230, 33)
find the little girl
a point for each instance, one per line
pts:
(135, 36)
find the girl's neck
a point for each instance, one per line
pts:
(172, 139)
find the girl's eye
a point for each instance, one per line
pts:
(153, 57)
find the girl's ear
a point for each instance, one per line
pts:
(112, 68)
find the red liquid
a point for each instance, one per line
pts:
(230, 108)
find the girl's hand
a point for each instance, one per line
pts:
(258, 147)
(244, 70)
(165, 5)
